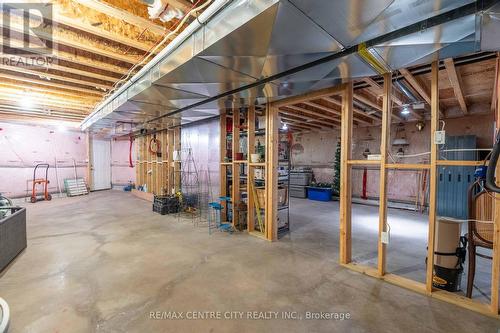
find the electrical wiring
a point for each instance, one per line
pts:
(451, 219)
(152, 51)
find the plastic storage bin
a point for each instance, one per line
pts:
(300, 178)
(298, 191)
(319, 194)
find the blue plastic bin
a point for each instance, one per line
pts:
(319, 194)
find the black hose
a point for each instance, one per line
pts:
(490, 172)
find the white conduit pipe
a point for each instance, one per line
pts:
(4, 324)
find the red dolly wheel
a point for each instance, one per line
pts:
(33, 199)
(49, 197)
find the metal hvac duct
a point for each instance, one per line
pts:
(244, 51)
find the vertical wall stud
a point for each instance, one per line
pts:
(433, 174)
(272, 141)
(495, 270)
(250, 172)
(384, 147)
(345, 174)
(235, 189)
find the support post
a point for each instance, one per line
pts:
(272, 141)
(250, 173)
(177, 164)
(495, 270)
(223, 167)
(384, 147)
(235, 190)
(170, 182)
(433, 174)
(345, 174)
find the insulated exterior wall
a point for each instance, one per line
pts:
(24, 146)
(204, 140)
(121, 172)
(317, 150)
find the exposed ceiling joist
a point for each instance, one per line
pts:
(355, 109)
(376, 106)
(124, 15)
(59, 18)
(396, 99)
(59, 94)
(24, 70)
(68, 42)
(315, 117)
(75, 59)
(50, 84)
(456, 83)
(312, 113)
(90, 74)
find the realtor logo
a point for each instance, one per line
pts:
(27, 29)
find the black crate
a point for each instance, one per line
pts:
(165, 199)
(171, 208)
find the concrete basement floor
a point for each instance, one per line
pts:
(105, 261)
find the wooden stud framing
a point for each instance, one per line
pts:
(223, 165)
(384, 148)
(250, 173)
(456, 83)
(345, 174)
(495, 270)
(153, 170)
(235, 188)
(272, 142)
(433, 174)
(177, 164)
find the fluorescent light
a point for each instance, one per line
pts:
(285, 126)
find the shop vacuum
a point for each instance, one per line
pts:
(451, 248)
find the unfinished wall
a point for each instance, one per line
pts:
(317, 150)
(121, 172)
(24, 146)
(203, 139)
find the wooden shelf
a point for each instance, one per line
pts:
(240, 162)
(226, 163)
(257, 164)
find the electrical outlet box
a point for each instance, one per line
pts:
(385, 237)
(439, 137)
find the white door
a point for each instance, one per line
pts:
(101, 165)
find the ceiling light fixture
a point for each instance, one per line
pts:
(406, 110)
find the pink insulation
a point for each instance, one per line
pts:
(317, 150)
(121, 172)
(24, 146)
